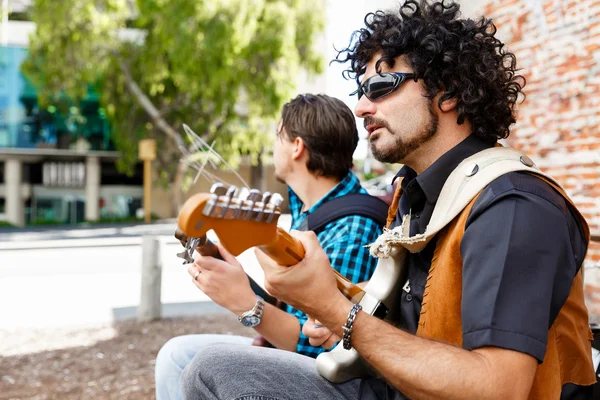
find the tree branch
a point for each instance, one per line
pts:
(149, 107)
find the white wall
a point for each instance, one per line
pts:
(17, 33)
(469, 8)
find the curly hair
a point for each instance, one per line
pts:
(461, 57)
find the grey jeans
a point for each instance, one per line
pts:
(238, 372)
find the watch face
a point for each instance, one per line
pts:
(250, 321)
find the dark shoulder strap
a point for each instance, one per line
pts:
(352, 204)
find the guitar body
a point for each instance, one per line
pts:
(340, 365)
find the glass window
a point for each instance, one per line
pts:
(24, 124)
(49, 211)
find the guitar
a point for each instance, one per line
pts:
(244, 219)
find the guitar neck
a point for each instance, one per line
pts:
(208, 248)
(285, 250)
(288, 251)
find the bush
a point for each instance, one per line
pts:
(121, 220)
(44, 221)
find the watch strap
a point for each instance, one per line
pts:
(257, 310)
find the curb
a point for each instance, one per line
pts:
(80, 243)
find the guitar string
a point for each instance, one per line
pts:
(198, 143)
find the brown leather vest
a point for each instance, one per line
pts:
(568, 356)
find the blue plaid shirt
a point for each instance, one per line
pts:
(344, 242)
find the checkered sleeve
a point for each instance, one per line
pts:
(344, 242)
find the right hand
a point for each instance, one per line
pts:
(224, 281)
(319, 335)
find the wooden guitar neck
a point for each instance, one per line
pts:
(285, 250)
(288, 251)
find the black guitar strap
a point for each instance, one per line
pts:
(353, 204)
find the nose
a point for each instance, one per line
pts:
(364, 107)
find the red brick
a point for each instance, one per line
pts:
(563, 100)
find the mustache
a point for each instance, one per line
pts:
(375, 121)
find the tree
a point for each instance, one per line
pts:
(224, 67)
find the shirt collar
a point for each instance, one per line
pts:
(431, 181)
(350, 184)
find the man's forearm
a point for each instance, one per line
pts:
(425, 369)
(281, 329)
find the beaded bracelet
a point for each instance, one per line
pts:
(348, 327)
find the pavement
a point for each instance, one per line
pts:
(84, 236)
(95, 235)
(54, 278)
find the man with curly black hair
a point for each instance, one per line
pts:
(492, 303)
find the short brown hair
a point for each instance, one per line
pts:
(328, 129)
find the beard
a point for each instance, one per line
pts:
(401, 148)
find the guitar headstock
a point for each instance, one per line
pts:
(241, 218)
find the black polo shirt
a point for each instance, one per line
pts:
(521, 250)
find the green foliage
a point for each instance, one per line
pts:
(100, 221)
(224, 67)
(47, 221)
(369, 175)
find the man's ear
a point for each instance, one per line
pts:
(449, 105)
(299, 148)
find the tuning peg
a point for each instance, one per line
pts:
(254, 195)
(187, 259)
(230, 193)
(265, 199)
(219, 189)
(190, 246)
(243, 194)
(275, 202)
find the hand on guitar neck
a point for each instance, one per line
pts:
(241, 221)
(206, 248)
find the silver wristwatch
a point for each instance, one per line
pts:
(252, 317)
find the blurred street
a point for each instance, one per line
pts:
(69, 278)
(68, 301)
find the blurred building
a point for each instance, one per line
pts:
(56, 165)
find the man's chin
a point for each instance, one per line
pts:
(279, 179)
(384, 155)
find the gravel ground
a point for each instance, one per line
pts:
(102, 362)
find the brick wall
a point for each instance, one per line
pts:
(557, 44)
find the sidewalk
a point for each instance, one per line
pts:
(58, 278)
(86, 231)
(106, 235)
(68, 237)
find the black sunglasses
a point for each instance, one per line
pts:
(382, 84)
